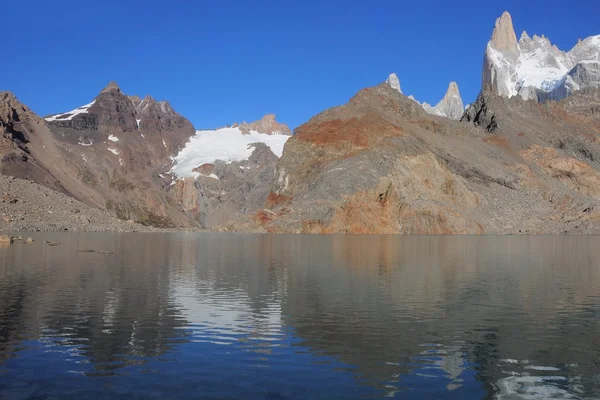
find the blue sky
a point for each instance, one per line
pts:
(219, 62)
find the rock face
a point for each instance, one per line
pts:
(535, 69)
(107, 154)
(394, 82)
(21, 145)
(226, 191)
(451, 106)
(381, 164)
(267, 125)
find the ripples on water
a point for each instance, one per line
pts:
(300, 317)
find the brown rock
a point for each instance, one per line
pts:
(266, 124)
(6, 239)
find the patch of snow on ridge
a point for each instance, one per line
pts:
(226, 144)
(69, 115)
(114, 151)
(113, 138)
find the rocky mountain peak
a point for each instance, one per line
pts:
(451, 106)
(452, 90)
(12, 110)
(534, 68)
(503, 36)
(267, 125)
(394, 82)
(112, 86)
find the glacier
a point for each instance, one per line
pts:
(225, 144)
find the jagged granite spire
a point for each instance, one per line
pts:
(394, 82)
(451, 105)
(534, 68)
(504, 37)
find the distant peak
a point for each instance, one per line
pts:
(524, 36)
(267, 124)
(453, 89)
(112, 85)
(394, 82)
(504, 37)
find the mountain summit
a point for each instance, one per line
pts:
(534, 68)
(451, 106)
(504, 37)
(394, 82)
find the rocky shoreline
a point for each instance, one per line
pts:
(28, 207)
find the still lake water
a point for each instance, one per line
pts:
(219, 316)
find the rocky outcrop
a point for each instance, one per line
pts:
(267, 125)
(394, 82)
(20, 142)
(535, 69)
(480, 114)
(226, 191)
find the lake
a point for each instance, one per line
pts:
(235, 316)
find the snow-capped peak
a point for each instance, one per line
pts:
(533, 67)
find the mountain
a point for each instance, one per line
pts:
(106, 153)
(534, 68)
(451, 106)
(381, 164)
(266, 125)
(141, 160)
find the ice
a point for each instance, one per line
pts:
(227, 144)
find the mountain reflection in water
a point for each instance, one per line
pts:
(294, 317)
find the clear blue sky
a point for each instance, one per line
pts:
(219, 62)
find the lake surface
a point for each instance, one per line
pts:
(220, 316)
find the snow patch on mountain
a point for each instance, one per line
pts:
(69, 115)
(226, 144)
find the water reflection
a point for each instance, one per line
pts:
(253, 316)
